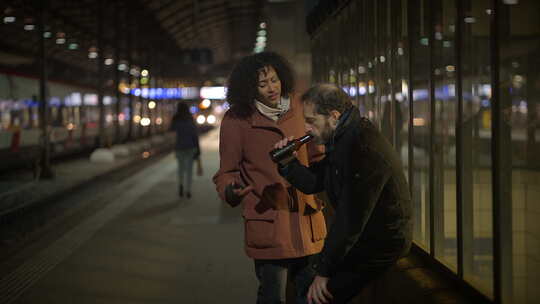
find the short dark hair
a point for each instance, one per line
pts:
(244, 79)
(327, 97)
(182, 112)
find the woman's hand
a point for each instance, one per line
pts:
(234, 193)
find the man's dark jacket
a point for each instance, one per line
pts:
(364, 180)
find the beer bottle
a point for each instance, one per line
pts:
(278, 155)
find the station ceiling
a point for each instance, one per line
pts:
(194, 40)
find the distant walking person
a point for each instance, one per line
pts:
(187, 147)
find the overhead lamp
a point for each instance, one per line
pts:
(29, 24)
(60, 38)
(109, 61)
(92, 52)
(9, 19)
(144, 73)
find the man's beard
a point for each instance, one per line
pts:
(326, 134)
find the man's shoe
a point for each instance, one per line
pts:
(188, 195)
(181, 191)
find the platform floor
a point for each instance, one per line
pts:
(146, 245)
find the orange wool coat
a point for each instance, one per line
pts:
(279, 221)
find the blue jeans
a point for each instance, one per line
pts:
(272, 276)
(184, 158)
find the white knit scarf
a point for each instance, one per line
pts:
(274, 113)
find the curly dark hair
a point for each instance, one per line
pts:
(244, 78)
(327, 97)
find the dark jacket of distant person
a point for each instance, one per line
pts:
(187, 135)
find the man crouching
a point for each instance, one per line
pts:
(364, 180)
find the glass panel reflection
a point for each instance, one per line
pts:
(419, 14)
(476, 143)
(520, 126)
(444, 145)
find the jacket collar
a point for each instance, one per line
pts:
(348, 119)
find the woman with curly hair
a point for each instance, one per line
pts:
(283, 226)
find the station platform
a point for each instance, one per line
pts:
(128, 237)
(145, 244)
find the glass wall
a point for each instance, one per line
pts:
(519, 128)
(476, 143)
(455, 86)
(419, 29)
(444, 111)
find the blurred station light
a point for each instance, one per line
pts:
(144, 73)
(152, 105)
(73, 46)
(159, 121)
(134, 71)
(109, 61)
(262, 25)
(9, 19)
(29, 24)
(123, 87)
(205, 104)
(92, 52)
(136, 119)
(122, 66)
(201, 119)
(60, 38)
(145, 122)
(47, 34)
(211, 119)
(9, 16)
(213, 92)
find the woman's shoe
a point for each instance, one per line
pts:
(181, 190)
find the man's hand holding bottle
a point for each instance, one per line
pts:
(285, 149)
